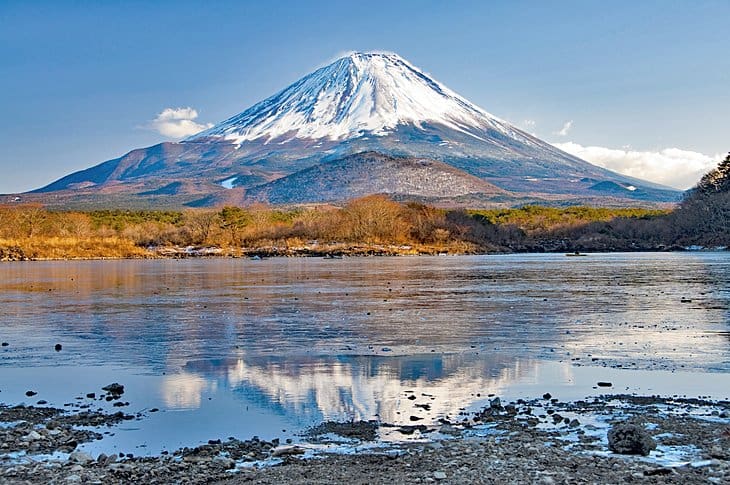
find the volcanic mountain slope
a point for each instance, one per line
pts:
(373, 102)
(373, 173)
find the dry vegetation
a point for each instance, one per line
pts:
(373, 224)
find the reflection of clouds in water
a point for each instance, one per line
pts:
(366, 389)
(184, 391)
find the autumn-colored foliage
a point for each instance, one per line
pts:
(373, 221)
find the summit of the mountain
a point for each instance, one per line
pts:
(362, 93)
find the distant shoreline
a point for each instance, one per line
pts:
(334, 253)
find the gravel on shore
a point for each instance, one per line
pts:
(537, 441)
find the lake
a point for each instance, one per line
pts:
(239, 347)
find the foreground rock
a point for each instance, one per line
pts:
(630, 439)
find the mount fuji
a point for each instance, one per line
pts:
(366, 123)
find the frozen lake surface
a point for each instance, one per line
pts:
(233, 347)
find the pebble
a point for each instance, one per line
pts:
(439, 475)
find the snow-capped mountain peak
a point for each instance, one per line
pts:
(357, 94)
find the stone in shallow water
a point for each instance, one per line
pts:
(630, 439)
(114, 389)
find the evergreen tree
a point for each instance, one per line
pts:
(716, 180)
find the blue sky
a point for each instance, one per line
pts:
(641, 87)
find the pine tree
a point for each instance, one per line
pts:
(716, 180)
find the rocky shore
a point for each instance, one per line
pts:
(611, 439)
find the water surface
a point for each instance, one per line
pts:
(234, 347)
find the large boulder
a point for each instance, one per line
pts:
(630, 439)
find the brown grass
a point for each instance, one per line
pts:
(76, 248)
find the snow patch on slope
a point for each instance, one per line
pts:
(228, 183)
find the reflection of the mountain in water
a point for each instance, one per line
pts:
(360, 387)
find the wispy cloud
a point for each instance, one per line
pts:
(565, 129)
(178, 123)
(671, 166)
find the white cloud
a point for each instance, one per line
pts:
(671, 166)
(565, 129)
(178, 123)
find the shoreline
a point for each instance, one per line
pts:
(541, 440)
(328, 252)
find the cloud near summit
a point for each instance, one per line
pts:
(671, 166)
(178, 122)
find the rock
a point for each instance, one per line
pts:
(5, 344)
(73, 478)
(574, 423)
(547, 395)
(719, 453)
(630, 439)
(226, 462)
(33, 436)
(657, 471)
(114, 388)
(604, 384)
(287, 451)
(58, 347)
(30, 393)
(439, 475)
(91, 395)
(495, 403)
(80, 457)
